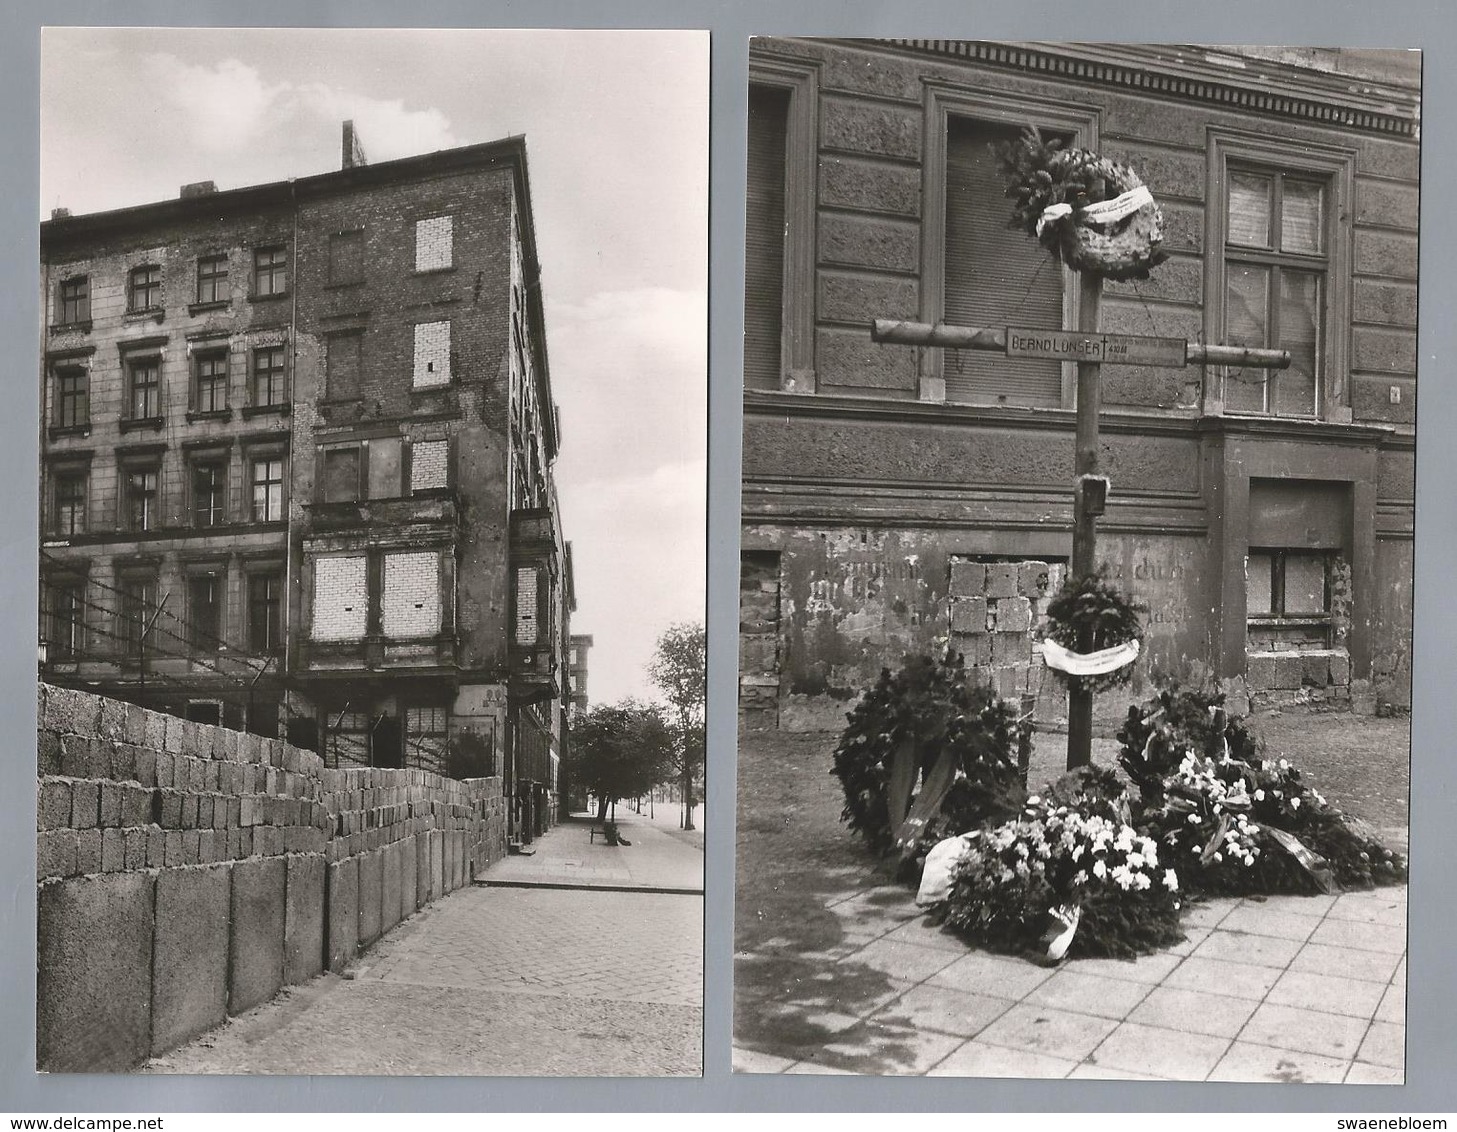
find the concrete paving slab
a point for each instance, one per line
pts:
(1194, 1011)
(978, 1059)
(904, 960)
(1384, 1044)
(1221, 976)
(1388, 938)
(1044, 1030)
(944, 1010)
(882, 1049)
(1305, 1031)
(747, 1061)
(1084, 993)
(1256, 919)
(1241, 947)
(1346, 962)
(1086, 1072)
(1160, 1052)
(1356, 998)
(1247, 1062)
(982, 973)
(1363, 1073)
(567, 855)
(1144, 969)
(921, 931)
(1392, 1007)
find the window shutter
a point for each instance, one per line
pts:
(996, 276)
(764, 237)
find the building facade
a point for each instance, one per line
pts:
(896, 496)
(297, 457)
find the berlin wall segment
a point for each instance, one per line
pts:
(865, 479)
(225, 867)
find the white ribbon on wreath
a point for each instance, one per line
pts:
(1103, 212)
(1089, 663)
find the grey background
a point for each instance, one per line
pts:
(1431, 1034)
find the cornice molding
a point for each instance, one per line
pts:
(1262, 86)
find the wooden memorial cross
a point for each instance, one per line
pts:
(1089, 349)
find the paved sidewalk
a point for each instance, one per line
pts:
(1290, 989)
(567, 855)
(521, 981)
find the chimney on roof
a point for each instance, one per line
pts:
(60, 213)
(198, 189)
(352, 149)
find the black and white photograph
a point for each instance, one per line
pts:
(1076, 582)
(373, 464)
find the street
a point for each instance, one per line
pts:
(592, 980)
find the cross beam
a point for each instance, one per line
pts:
(1090, 350)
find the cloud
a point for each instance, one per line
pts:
(217, 107)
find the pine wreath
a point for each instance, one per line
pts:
(1042, 174)
(1087, 615)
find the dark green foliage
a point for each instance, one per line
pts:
(1158, 734)
(1089, 614)
(930, 705)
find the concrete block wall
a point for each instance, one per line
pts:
(994, 609)
(188, 872)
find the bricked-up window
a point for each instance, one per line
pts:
(1288, 598)
(137, 606)
(210, 382)
(266, 477)
(66, 631)
(341, 474)
(429, 465)
(212, 279)
(1275, 268)
(144, 288)
(268, 376)
(432, 354)
(204, 612)
(265, 611)
(410, 604)
(74, 300)
(70, 504)
(209, 493)
(73, 402)
(343, 360)
(341, 598)
(270, 271)
(764, 235)
(434, 240)
(144, 388)
(528, 606)
(140, 502)
(346, 258)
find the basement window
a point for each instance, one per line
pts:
(1288, 598)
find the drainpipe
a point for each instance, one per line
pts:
(288, 562)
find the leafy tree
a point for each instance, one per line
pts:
(680, 670)
(620, 751)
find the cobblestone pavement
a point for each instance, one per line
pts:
(495, 981)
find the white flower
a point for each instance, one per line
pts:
(1193, 819)
(1171, 880)
(1219, 856)
(1295, 803)
(1080, 877)
(1259, 795)
(1033, 799)
(1100, 870)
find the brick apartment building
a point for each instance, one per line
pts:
(894, 495)
(297, 452)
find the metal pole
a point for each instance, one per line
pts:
(1085, 538)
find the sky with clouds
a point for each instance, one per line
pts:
(616, 126)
